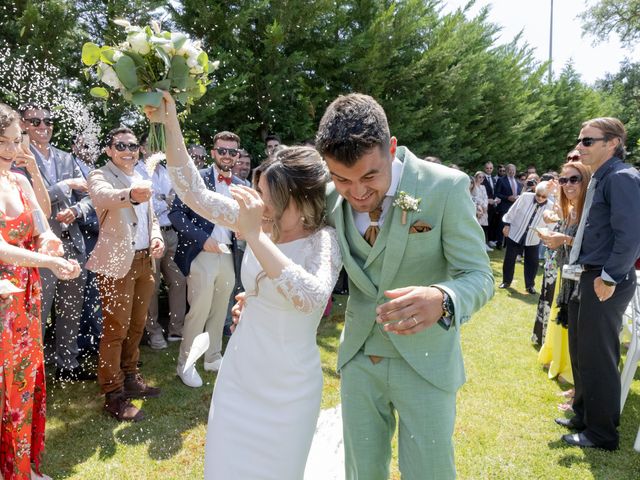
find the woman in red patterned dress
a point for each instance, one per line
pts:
(25, 243)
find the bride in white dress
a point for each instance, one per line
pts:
(267, 395)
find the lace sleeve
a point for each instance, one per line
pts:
(308, 288)
(191, 189)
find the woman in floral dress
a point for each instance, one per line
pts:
(24, 233)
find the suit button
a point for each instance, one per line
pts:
(135, 224)
(133, 243)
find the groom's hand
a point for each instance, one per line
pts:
(410, 310)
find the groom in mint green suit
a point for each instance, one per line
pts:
(417, 272)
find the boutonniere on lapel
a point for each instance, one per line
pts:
(406, 203)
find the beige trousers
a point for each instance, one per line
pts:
(176, 286)
(209, 285)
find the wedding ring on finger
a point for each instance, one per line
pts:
(415, 320)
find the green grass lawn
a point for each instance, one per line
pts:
(504, 427)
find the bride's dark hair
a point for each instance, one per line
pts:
(296, 174)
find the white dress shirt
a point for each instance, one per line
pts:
(362, 219)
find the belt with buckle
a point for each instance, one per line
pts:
(588, 268)
(142, 253)
(166, 228)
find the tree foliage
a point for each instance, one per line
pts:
(621, 17)
(447, 87)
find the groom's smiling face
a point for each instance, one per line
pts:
(365, 183)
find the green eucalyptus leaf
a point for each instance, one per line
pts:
(106, 55)
(179, 40)
(203, 59)
(90, 54)
(164, 56)
(125, 68)
(163, 84)
(136, 57)
(182, 98)
(178, 73)
(99, 92)
(147, 98)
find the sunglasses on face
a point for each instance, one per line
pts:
(233, 152)
(573, 158)
(543, 197)
(37, 121)
(588, 141)
(121, 147)
(573, 180)
(200, 158)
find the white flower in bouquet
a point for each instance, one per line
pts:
(139, 43)
(122, 22)
(168, 48)
(148, 62)
(108, 75)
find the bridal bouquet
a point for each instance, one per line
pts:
(149, 61)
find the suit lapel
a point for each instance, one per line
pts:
(398, 233)
(43, 170)
(356, 274)
(118, 176)
(57, 160)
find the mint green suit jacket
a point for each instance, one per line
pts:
(452, 256)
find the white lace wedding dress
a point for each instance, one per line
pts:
(267, 395)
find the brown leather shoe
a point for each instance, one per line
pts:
(120, 408)
(136, 387)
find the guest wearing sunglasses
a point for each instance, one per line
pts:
(129, 240)
(199, 155)
(555, 350)
(606, 245)
(70, 205)
(207, 255)
(520, 221)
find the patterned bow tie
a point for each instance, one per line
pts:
(222, 178)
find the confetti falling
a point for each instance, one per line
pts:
(23, 79)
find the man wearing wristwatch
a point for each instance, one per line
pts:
(418, 270)
(606, 244)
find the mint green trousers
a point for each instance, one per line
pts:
(372, 394)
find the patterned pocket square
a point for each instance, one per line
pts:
(420, 227)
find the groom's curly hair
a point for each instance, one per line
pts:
(352, 125)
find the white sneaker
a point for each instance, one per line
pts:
(213, 366)
(189, 377)
(157, 342)
(488, 248)
(492, 244)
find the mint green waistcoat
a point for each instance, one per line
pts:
(370, 260)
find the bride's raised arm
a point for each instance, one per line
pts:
(185, 178)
